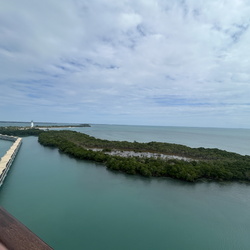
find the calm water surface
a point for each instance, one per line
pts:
(4, 147)
(235, 140)
(74, 204)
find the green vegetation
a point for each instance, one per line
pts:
(209, 164)
(20, 131)
(65, 126)
(28, 131)
(84, 125)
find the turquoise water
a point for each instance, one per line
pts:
(4, 146)
(74, 204)
(235, 140)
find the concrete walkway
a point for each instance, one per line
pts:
(8, 158)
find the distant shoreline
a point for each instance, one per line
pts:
(50, 126)
(63, 126)
(34, 131)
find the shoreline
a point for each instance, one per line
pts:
(63, 126)
(43, 128)
(152, 159)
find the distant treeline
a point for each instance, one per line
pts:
(35, 131)
(64, 126)
(209, 164)
(20, 131)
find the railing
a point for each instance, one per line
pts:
(8, 137)
(15, 236)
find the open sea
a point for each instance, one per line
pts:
(73, 204)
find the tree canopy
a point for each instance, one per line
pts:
(209, 164)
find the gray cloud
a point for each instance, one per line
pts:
(134, 62)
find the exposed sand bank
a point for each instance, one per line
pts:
(142, 154)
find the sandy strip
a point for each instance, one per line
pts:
(142, 154)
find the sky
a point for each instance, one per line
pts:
(135, 62)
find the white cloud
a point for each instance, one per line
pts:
(133, 62)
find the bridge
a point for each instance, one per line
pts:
(7, 160)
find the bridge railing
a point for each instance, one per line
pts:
(15, 236)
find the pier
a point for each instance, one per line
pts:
(8, 158)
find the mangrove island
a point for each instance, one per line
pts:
(152, 159)
(156, 159)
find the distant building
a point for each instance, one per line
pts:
(32, 124)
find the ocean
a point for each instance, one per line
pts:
(73, 204)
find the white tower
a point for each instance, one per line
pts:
(32, 124)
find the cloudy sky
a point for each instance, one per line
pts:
(142, 62)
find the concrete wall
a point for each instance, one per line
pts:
(8, 137)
